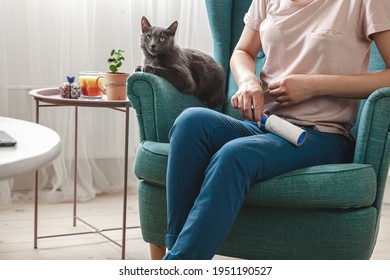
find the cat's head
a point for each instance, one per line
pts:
(157, 40)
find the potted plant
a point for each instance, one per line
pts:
(115, 81)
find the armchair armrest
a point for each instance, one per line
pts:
(157, 104)
(373, 136)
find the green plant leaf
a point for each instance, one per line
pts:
(115, 60)
(113, 68)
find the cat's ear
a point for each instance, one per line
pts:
(173, 27)
(144, 24)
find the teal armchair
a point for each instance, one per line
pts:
(320, 212)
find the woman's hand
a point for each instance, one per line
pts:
(249, 97)
(249, 100)
(293, 89)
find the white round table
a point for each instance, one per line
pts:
(36, 147)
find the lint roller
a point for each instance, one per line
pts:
(288, 131)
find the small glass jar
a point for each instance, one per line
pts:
(91, 84)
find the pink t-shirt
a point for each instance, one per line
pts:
(317, 37)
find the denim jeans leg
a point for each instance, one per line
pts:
(194, 138)
(229, 166)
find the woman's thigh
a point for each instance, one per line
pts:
(206, 127)
(266, 155)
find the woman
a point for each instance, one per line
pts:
(316, 70)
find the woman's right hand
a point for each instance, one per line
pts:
(249, 100)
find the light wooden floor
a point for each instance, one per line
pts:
(16, 231)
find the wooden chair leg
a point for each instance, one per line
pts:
(156, 252)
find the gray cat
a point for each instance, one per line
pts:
(190, 71)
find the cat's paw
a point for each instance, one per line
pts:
(138, 69)
(149, 69)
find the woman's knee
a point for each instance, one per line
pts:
(194, 115)
(191, 120)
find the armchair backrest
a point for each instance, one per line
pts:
(376, 63)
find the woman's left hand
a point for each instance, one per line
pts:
(293, 89)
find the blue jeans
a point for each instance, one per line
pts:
(213, 160)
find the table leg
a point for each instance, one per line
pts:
(36, 188)
(125, 184)
(76, 121)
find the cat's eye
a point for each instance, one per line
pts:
(148, 37)
(162, 39)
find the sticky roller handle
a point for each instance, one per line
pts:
(288, 131)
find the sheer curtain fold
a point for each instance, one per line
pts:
(41, 42)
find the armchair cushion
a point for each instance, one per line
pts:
(151, 162)
(313, 187)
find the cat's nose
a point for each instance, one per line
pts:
(153, 47)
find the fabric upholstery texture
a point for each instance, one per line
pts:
(320, 212)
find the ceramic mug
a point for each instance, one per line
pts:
(90, 85)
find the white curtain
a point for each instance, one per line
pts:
(43, 41)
